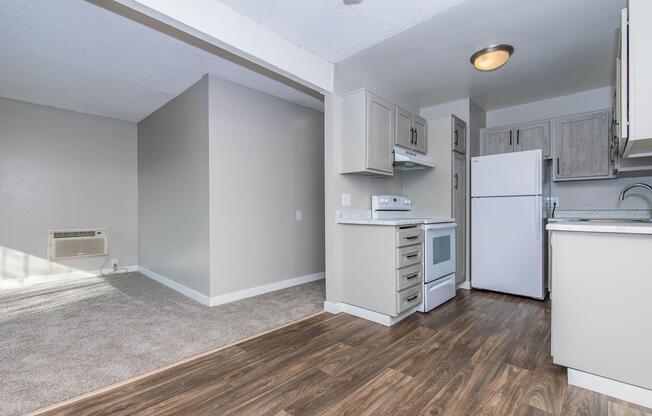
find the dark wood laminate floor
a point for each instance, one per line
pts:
(479, 354)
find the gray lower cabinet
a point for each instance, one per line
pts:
(367, 129)
(459, 213)
(496, 140)
(382, 267)
(582, 146)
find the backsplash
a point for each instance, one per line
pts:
(634, 214)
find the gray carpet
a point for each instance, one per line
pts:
(64, 339)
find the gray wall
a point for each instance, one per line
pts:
(61, 169)
(266, 162)
(173, 197)
(577, 195)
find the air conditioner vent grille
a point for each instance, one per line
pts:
(65, 244)
(68, 234)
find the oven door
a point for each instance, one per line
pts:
(439, 251)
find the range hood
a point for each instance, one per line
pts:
(405, 159)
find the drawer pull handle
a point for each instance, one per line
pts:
(411, 298)
(412, 237)
(412, 276)
(411, 256)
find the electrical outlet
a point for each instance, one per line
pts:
(299, 215)
(346, 200)
(550, 202)
(114, 264)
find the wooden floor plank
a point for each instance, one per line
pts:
(581, 402)
(502, 393)
(546, 388)
(481, 353)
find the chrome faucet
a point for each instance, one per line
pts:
(634, 185)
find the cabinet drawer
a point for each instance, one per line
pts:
(409, 236)
(409, 298)
(409, 276)
(408, 256)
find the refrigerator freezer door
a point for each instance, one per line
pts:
(507, 245)
(507, 174)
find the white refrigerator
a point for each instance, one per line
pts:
(507, 223)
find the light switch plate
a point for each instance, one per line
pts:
(346, 200)
(299, 215)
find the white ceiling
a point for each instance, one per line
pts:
(561, 47)
(74, 55)
(334, 30)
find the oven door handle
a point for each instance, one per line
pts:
(442, 226)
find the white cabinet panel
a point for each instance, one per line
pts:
(600, 304)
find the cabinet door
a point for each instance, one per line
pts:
(533, 136)
(582, 146)
(497, 140)
(459, 135)
(381, 116)
(459, 213)
(420, 127)
(404, 134)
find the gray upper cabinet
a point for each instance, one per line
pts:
(459, 135)
(411, 131)
(582, 146)
(367, 133)
(420, 127)
(533, 136)
(380, 133)
(517, 138)
(404, 131)
(497, 140)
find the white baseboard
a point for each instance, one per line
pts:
(233, 296)
(184, 290)
(373, 316)
(332, 307)
(259, 290)
(54, 277)
(617, 389)
(464, 285)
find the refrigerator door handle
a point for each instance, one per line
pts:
(537, 217)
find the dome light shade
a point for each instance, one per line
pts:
(492, 57)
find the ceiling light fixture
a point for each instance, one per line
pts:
(492, 57)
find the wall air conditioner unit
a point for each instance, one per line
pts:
(67, 244)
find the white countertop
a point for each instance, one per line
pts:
(363, 217)
(606, 226)
(395, 222)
